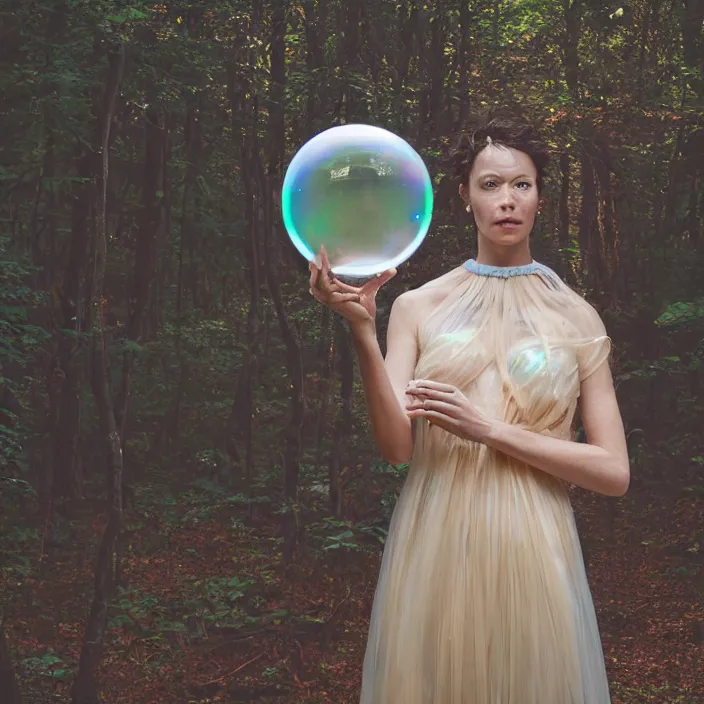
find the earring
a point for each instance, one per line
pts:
(468, 208)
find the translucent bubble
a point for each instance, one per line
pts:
(361, 191)
(531, 360)
(526, 363)
(455, 343)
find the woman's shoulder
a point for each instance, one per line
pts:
(431, 293)
(575, 307)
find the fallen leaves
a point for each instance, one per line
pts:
(303, 630)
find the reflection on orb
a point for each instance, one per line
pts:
(458, 338)
(526, 362)
(362, 192)
(458, 342)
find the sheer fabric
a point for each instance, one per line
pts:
(482, 596)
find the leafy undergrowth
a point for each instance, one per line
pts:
(209, 615)
(644, 556)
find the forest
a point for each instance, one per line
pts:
(192, 508)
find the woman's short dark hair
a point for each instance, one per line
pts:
(501, 129)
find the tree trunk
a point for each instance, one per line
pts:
(343, 422)
(294, 359)
(642, 63)
(609, 230)
(325, 364)
(563, 235)
(241, 422)
(406, 22)
(243, 107)
(349, 58)
(695, 217)
(193, 139)
(573, 17)
(692, 41)
(314, 28)
(464, 64)
(8, 682)
(438, 120)
(145, 254)
(86, 688)
(587, 218)
(63, 475)
(421, 29)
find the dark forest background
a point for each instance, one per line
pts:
(191, 506)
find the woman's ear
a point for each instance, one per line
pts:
(464, 193)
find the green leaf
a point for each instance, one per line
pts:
(130, 346)
(682, 313)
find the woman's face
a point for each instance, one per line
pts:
(503, 192)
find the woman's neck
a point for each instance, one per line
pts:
(497, 255)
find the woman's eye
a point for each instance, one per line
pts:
(524, 185)
(489, 184)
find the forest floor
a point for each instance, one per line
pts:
(210, 616)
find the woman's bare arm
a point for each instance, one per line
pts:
(385, 380)
(602, 465)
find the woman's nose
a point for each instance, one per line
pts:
(507, 198)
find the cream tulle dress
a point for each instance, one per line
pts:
(483, 596)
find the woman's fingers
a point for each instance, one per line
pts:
(430, 394)
(314, 273)
(345, 288)
(372, 286)
(325, 262)
(439, 418)
(385, 276)
(333, 297)
(322, 273)
(343, 297)
(327, 289)
(428, 385)
(429, 404)
(331, 286)
(324, 280)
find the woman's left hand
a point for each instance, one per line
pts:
(447, 407)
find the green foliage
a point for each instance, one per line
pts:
(199, 605)
(180, 57)
(47, 665)
(20, 542)
(630, 112)
(335, 535)
(19, 339)
(682, 313)
(130, 15)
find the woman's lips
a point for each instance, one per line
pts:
(508, 224)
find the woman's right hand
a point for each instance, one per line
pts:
(357, 304)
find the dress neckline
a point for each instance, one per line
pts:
(504, 272)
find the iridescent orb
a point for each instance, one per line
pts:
(362, 192)
(530, 360)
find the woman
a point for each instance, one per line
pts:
(482, 596)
